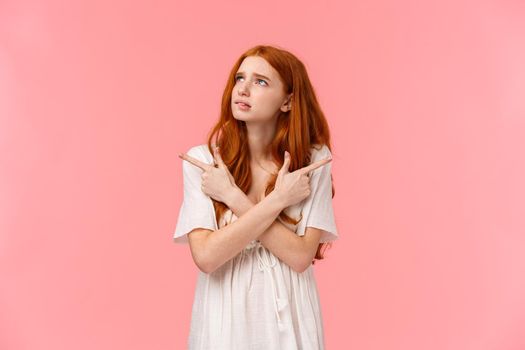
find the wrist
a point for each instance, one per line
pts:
(232, 196)
(277, 199)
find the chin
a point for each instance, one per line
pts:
(249, 117)
(244, 116)
(240, 117)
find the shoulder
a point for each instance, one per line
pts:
(201, 152)
(319, 152)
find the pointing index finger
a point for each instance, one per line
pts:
(194, 161)
(315, 165)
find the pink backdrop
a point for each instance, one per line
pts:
(425, 103)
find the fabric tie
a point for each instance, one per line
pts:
(265, 262)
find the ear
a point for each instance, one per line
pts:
(287, 104)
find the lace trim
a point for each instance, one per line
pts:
(252, 244)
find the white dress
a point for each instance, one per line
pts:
(255, 301)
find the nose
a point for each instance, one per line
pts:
(242, 89)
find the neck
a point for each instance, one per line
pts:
(260, 136)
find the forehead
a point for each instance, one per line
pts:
(257, 64)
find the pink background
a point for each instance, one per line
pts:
(426, 105)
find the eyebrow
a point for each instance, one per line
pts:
(256, 74)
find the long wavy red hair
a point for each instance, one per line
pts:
(296, 130)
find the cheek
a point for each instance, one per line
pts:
(267, 102)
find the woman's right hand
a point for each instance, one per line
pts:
(293, 187)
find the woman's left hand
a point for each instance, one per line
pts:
(218, 183)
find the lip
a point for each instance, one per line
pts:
(243, 107)
(238, 102)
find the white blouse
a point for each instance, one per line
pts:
(255, 300)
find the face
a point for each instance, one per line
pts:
(258, 84)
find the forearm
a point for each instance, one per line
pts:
(279, 239)
(223, 244)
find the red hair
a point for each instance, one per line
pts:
(296, 130)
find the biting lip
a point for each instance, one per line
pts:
(238, 102)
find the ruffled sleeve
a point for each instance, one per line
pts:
(318, 210)
(197, 209)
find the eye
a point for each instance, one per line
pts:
(240, 76)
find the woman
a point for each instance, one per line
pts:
(269, 184)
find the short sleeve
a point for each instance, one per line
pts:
(318, 210)
(197, 209)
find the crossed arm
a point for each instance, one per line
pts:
(296, 251)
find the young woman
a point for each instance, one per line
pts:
(257, 210)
